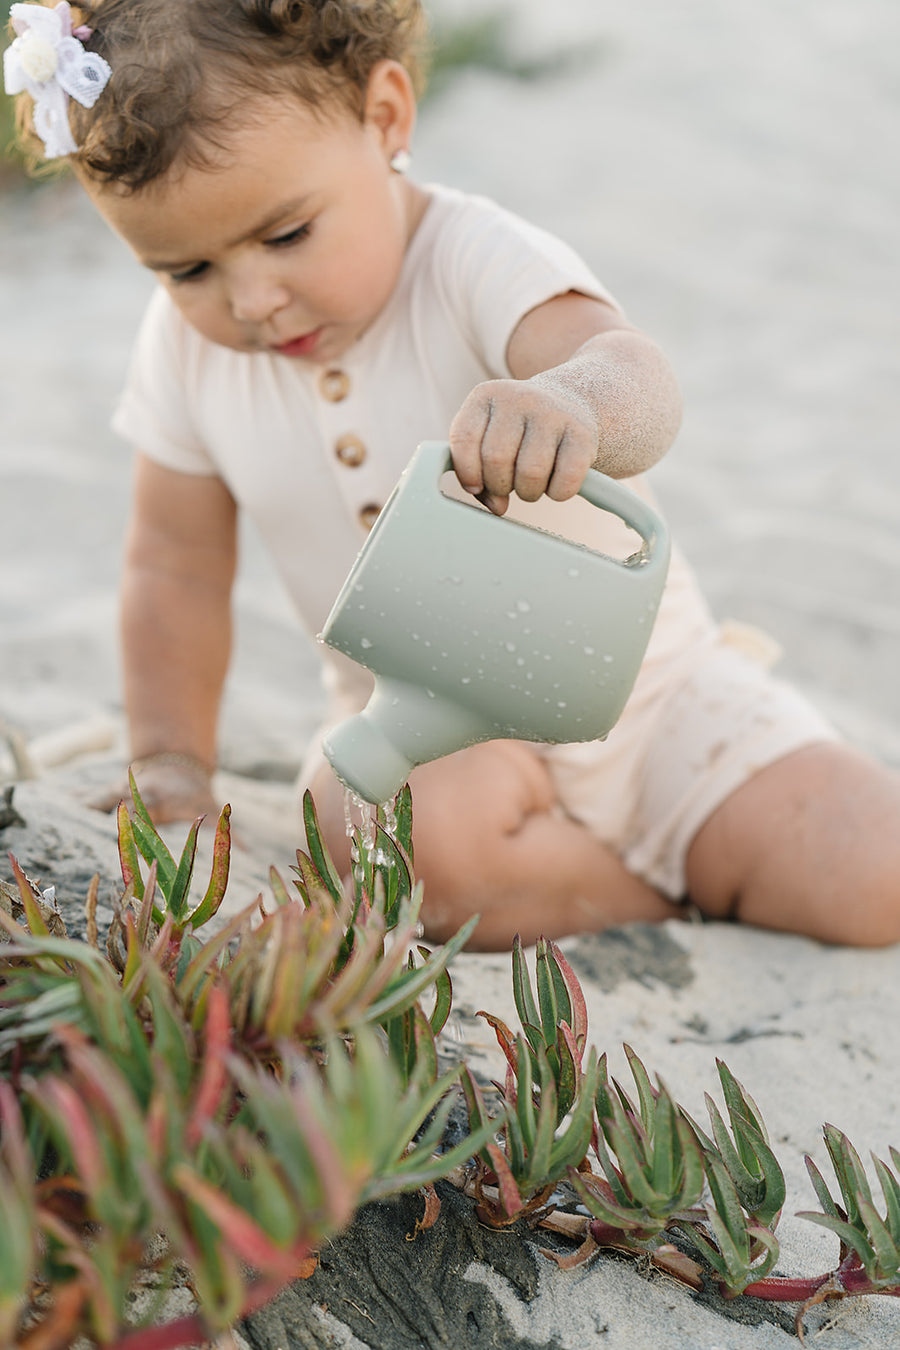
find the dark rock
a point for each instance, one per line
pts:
(397, 1289)
(639, 951)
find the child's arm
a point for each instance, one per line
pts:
(589, 390)
(176, 633)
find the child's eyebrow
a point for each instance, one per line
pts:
(268, 222)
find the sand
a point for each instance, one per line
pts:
(729, 170)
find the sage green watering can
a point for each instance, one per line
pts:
(477, 627)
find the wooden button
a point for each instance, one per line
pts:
(334, 384)
(350, 451)
(368, 514)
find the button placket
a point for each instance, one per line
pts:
(337, 414)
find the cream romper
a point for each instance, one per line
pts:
(312, 454)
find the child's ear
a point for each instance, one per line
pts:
(391, 105)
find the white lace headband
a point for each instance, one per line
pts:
(48, 61)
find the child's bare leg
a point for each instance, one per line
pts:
(810, 844)
(487, 841)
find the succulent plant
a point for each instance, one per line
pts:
(652, 1167)
(548, 1096)
(240, 1094)
(226, 1101)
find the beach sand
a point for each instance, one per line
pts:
(730, 172)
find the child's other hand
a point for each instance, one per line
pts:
(513, 436)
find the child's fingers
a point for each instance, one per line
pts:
(575, 454)
(512, 437)
(501, 445)
(536, 459)
(466, 433)
(497, 505)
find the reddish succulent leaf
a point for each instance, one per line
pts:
(218, 879)
(214, 1076)
(505, 1038)
(81, 1133)
(129, 858)
(241, 1232)
(576, 995)
(510, 1196)
(676, 1263)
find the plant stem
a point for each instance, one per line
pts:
(786, 1289)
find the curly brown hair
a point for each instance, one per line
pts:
(183, 71)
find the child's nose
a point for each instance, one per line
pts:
(255, 297)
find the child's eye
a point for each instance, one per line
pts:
(292, 237)
(190, 273)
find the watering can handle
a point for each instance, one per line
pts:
(597, 488)
(638, 515)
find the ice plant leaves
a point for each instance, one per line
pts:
(873, 1239)
(244, 1093)
(652, 1167)
(139, 838)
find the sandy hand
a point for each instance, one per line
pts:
(514, 436)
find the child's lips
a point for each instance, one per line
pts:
(299, 346)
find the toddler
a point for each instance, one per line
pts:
(318, 313)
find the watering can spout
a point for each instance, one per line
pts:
(402, 725)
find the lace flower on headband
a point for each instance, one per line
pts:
(48, 61)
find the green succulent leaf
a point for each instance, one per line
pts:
(821, 1189)
(526, 1114)
(547, 1002)
(403, 991)
(545, 1128)
(891, 1190)
(708, 1250)
(153, 850)
(571, 1145)
(526, 1007)
(739, 1102)
(403, 821)
(603, 1207)
(182, 880)
(664, 1162)
(849, 1171)
(646, 1092)
(885, 1249)
(611, 1172)
(725, 1213)
(327, 872)
(568, 1072)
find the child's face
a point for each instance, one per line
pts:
(292, 245)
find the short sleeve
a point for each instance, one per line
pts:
(154, 411)
(500, 267)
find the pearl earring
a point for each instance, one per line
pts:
(400, 161)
